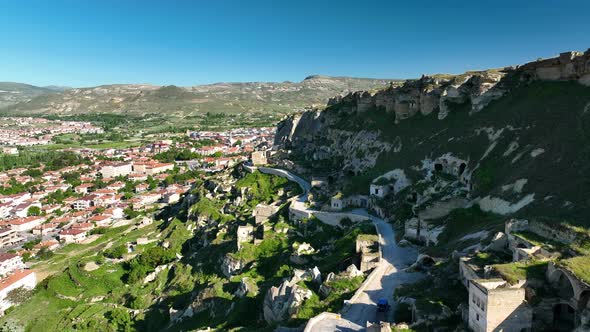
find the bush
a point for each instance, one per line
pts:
(143, 264)
(116, 252)
(119, 319)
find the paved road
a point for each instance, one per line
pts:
(389, 273)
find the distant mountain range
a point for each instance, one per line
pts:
(257, 97)
(12, 93)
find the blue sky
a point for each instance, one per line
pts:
(85, 43)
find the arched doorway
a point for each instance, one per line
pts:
(564, 317)
(564, 287)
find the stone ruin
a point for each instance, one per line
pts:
(245, 234)
(262, 212)
(367, 247)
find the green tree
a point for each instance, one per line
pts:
(116, 252)
(34, 211)
(120, 319)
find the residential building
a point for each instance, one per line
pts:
(101, 220)
(72, 235)
(116, 169)
(9, 237)
(83, 203)
(45, 228)
(495, 305)
(9, 263)
(49, 244)
(26, 224)
(83, 188)
(17, 279)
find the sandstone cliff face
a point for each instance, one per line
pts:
(539, 119)
(438, 93)
(427, 95)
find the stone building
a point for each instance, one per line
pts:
(495, 305)
(116, 169)
(262, 212)
(337, 202)
(524, 249)
(567, 66)
(245, 234)
(469, 271)
(259, 158)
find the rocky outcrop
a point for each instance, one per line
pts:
(231, 266)
(283, 301)
(246, 286)
(352, 271)
(437, 93)
(567, 66)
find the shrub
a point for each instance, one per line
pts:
(116, 252)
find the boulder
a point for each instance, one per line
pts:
(244, 288)
(304, 249)
(231, 266)
(423, 262)
(352, 271)
(311, 274)
(325, 290)
(403, 243)
(330, 276)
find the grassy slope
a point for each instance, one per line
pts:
(66, 295)
(548, 115)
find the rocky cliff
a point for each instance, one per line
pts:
(525, 122)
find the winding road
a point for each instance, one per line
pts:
(388, 274)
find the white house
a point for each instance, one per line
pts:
(83, 203)
(337, 203)
(8, 237)
(72, 235)
(114, 213)
(19, 278)
(9, 263)
(26, 224)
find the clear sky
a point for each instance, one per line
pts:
(85, 43)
